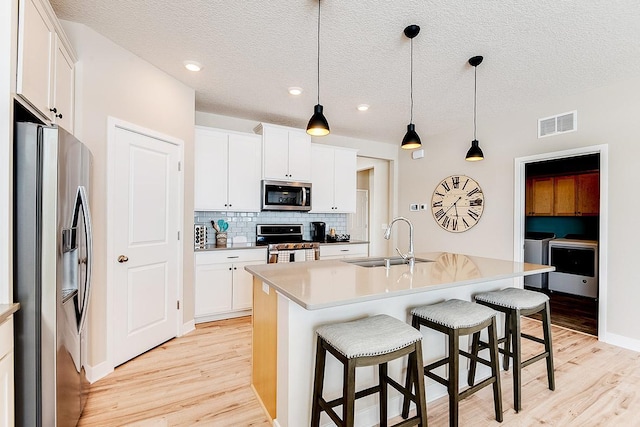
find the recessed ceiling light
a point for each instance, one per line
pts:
(294, 90)
(363, 107)
(192, 65)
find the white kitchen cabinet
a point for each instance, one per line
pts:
(334, 179)
(347, 250)
(6, 373)
(227, 171)
(286, 153)
(223, 288)
(46, 72)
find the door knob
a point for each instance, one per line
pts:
(123, 258)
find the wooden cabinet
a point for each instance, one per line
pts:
(567, 195)
(223, 288)
(333, 175)
(286, 153)
(227, 171)
(46, 72)
(6, 373)
(347, 250)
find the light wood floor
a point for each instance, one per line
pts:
(203, 379)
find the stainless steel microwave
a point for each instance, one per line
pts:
(286, 196)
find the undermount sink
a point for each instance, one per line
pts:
(382, 261)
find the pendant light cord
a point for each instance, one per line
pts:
(319, 51)
(475, 89)
(411, 80)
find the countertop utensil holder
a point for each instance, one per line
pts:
(221, 238)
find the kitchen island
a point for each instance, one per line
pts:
(292, 300)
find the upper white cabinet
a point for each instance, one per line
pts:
(286, 153)
(227, 170)
(45, 63)
(333, 175)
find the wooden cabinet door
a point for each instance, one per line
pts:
(36, 35)
(322, 179)
(564, 193)
(276, 153)
(299, 156)
(588, 189)
(63, 88)
(213, 290)
(345, 177)
(542, 196)
(210, 170)
(244, 173)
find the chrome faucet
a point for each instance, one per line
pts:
(409, 256)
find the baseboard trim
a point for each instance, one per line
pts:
(101, 370)
(187, 327)
(621, 341)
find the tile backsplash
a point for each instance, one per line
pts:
(244, 223)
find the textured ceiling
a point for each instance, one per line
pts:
(253, 50)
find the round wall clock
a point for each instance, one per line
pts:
(457, 203)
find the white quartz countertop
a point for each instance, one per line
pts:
(329, 283)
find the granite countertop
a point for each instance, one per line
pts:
(7, 310)
(213, 247)
(330, 283)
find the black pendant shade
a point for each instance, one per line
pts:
(475, 153)
(411, 139)
(318, 125)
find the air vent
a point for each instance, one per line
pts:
(561, 123)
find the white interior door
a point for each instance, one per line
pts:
(145, 246)
(359, 221)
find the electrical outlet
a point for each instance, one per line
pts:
(413, 207)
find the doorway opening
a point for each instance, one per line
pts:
(560, 221)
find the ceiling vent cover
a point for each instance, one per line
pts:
(561, 123)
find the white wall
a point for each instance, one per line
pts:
(111, 81)
(379, 205)
(607, 115)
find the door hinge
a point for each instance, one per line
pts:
(179, 166)
(178, 304)
(178, 235)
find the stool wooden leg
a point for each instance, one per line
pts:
(382, 383)
(415, 360)
(472, 366)
(318, 383)
(546, 327)
(349, 393)
(454, 373)
(508, 337)
(495, 369)
(408, 385)
(517, 360)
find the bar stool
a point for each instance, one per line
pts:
(457, 318)
(515, 302)
(374, 340)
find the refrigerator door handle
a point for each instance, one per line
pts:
(83, 202)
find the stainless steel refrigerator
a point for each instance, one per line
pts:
(52, 274)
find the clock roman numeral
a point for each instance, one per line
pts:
(454, 224)
(455, 180)
(476, 202)
(446, 186)
(439, 214)
(445, 221)
(465, 183)
(473, 214)
(466, 224)
(472, 192)
(439, 194)
(437, 204)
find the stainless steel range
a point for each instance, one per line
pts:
(285, 243)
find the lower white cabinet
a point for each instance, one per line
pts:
(223, 288)
(339, 251)
(6, 374)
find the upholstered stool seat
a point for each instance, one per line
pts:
(457, 318)
(515, 302)
(374, 340)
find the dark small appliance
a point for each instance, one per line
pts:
(318, 231)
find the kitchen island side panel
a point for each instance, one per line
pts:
(264, 346)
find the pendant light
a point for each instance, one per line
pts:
(411, 139)
(475, 153)
(318, 125)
